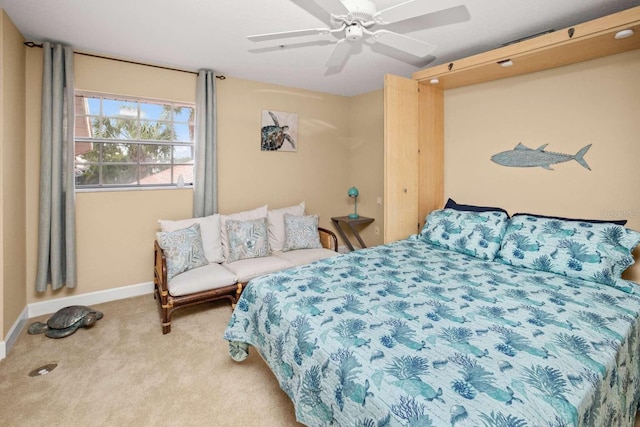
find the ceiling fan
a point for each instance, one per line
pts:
(354, 21)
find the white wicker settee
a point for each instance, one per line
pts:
(204, 259)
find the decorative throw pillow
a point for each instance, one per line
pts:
(209, 231)
(276, 225)
(247, 239)
(256, 213)
(598, 252)
(473, 233)
(182, 249)
(301, 232)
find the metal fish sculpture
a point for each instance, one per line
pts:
(524, 157)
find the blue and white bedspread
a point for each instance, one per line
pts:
(407, 334)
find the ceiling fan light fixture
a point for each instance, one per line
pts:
(623, 34)
(353, 32)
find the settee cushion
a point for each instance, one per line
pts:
(211, 276)
(305, 256)
(209, 230)
(301, 232)
(183, 249)
(256, 213)
(247, 269)
(247, 239)
(276, 225)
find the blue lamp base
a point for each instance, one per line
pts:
(355, 215)
(353, 193)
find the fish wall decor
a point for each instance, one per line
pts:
(524, 157)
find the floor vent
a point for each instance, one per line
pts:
(43, 370)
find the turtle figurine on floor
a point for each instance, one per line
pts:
(66, 321)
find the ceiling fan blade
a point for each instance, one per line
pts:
(287, 34)
(340, 53)
(407, 10)
(404, 43)
(334, 7)
(288, 45)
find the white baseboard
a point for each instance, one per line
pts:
(98, 297)
(51, 306)
(13, 333)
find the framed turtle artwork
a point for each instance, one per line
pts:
(279, 131)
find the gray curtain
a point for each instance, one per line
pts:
(56, 232)
(205, 196)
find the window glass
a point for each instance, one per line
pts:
(124, 142)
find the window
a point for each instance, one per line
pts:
(127, 142)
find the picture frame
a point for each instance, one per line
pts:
(279, 131)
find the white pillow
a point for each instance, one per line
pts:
(276, 225)
(256, 213)
(209, 230)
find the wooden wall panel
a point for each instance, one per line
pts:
(431, 150)
(400, 157)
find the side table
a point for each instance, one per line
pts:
(339, 221)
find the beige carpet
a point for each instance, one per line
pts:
(124, 372)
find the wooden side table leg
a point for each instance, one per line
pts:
(342, 234)
(355, 233)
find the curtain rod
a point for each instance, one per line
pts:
(33, 44)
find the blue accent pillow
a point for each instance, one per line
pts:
(598, 252)
(473, 233)
(451, 204)
(301, 232)
(182, 249)
(247, 239)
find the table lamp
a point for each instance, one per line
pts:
(353, 193)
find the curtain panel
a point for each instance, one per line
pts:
(56, 225)
(205, 196)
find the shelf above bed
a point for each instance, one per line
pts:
(589, 40)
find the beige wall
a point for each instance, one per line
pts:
(596, 102)
(366, 162)
(115, 230)
(12, 187)
(316, 173)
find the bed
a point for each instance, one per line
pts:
(479, 320)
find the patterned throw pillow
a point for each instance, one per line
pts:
(209, 231)
(247, 239)
(598, 252)
(276, 225)
(182, 249)
(473, 233)
(256, 213)
(301, 232)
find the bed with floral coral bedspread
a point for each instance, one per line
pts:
(414, 334)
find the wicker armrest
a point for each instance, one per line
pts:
(328, 239)
(160, 270)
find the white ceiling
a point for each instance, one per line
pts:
(195, 34)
